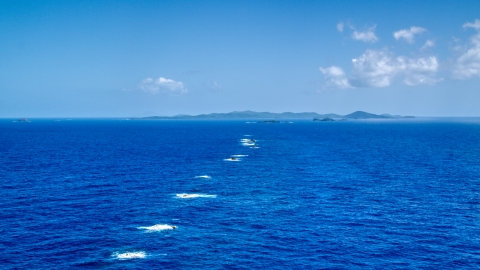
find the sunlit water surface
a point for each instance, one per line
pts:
(114, 194)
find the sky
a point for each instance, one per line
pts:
(142, 58)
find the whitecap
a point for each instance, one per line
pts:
(194, 195)
(130, 255)
(239, 155)
(157, 227)
(232, 159)
(248, 144)
(204, 176)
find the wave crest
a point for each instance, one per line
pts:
(194, 195)
(157, 227)
(204, 176)
(130, 255)
(231, 159)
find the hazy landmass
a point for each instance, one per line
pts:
(365, 115)
(236, 115)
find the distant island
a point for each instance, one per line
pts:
(365, 115)
(324, 120)
(272, 117)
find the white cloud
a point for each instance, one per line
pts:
(475, 25)
(408, 34)
(420, 70)
(335, 77)
(162, 85)
(340, 26)
(429, 43)
(468, 63)
(373, 69)
(367, 36)
(380, 68)
(214, 86)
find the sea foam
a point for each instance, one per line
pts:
(194, 195)
(203, 176)
(157, 227)
(239, 155)
(234, 160)
(248, 144)
(130, 255)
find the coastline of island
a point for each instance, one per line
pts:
(268, 117)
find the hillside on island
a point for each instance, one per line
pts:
(239, 115)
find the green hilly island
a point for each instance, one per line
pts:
(251, 115)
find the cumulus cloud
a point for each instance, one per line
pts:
(162, 85)
(408, 34)
(340, 26)
(335, 77)
(366, 36)
(420, 70)
(377, 68)
(468, 63)
(380, 68)
(475, 25)
(429, 43)
(373, 69)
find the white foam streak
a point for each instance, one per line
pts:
(204, 176)
(194, 195)
(248, 144)
(157, 227)
(130, 255)
(232, 159)
(239, 155)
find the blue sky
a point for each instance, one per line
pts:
(133, 58)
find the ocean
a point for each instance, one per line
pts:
(117, 194)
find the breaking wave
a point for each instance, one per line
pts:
(248, 144)
(129, 255)
(194, 195)
(157, 227)
(203, 176)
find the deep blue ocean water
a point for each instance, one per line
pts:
(396, 194)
